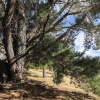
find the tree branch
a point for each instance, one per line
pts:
(3, 4)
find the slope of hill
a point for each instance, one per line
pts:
(38, 88)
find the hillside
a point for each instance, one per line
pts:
(38, 88)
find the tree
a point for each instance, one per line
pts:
(31, 20)
(14, 66)
(40, 57)
(68, 62)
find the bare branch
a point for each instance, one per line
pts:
(62, 9)
(3, 4)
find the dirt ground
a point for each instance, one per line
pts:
(39, 88)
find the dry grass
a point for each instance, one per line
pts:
(39, 88)
(66, 84)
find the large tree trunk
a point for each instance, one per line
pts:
(15, 66)
(7, 36)
(21, 33)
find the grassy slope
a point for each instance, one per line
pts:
(38, 88)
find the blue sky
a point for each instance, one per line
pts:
(80, 38)
(80, 47)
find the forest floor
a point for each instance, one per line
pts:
(39, 88)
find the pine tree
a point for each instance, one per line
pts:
(30, 20)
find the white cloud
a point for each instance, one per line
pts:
(79, 42)
(80, 47)
(57, 7)
(93, 53)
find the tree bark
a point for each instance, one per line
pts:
(6, 23)
(16, 67)
(21, 33)
(44, 72)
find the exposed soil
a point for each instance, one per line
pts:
(38, 88)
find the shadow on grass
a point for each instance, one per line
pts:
(35, 90)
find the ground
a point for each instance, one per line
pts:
(38, 88)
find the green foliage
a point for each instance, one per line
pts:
(96, 0)
(94, 84)
(88, 64)
(43, 12)
(29, 65)
(59, 75)
(43, 56)
(62, 64)
(62, 52)
(73, 64)
(88, 71)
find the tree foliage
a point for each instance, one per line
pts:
(75, 65)
(30, 21)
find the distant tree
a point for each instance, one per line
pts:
(74, 64)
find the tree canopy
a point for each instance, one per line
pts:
(25, 24)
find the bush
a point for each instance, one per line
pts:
(94, 84)
(29, 65)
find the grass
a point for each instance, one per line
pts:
(39, 88)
